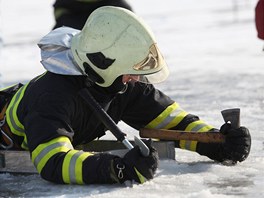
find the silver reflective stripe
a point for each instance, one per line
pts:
(188, 145)
(72, 167)
(49, 148)
(198, 127)
(169, 118)
(194, 129)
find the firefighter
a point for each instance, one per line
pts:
(259, 19)
(74, 13)
(116, 58)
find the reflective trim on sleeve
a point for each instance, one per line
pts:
(13, 122)
(72, 166)
(45, 151)
(6, 88)
(12, 119)
(24, 144)
(177, 119)
(67, 167)
(169, 118)
(141, 178)
(78, 166)
(197, 126)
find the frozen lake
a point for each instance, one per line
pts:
(216, 62)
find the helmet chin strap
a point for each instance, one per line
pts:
(118, 87)
(124, 89)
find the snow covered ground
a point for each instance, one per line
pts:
(216, 63)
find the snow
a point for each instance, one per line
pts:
(216, 62)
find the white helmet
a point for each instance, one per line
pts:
(115, 42)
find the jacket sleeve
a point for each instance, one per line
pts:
(174, 117)
(49, 134)
(57, 161)
(153, 109)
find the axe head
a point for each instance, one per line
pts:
(232, 116)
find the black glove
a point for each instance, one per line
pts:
(134, 166)
(235, 148)
(237, 144)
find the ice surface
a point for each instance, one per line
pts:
(216, 63)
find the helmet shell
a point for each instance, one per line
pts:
(111, 43)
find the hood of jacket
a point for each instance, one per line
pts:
(56, 55)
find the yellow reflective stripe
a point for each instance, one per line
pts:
(5, 88)
(197, 126)
(13, 122)
(11, 113)
(161, 117)
(15, 125)
(24, 144)
(79, 165)
(206, 128)
(45, 151)
(11, 117)
(172, 119)
(141, 178)
(72, 166)
(40, 76)
(66, 166)
(177, 119)
(169, 118)
(188, 145)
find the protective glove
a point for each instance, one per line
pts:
(134, 166)
(235, 149)
(237, 144)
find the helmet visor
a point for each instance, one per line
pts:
(157, 77)
(152, 61)
(153, 67)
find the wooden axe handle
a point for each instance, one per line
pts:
(163, 134)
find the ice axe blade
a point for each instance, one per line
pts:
(232, 116)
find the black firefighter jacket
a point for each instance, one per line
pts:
(49, 118)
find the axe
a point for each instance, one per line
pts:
(231, 116)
